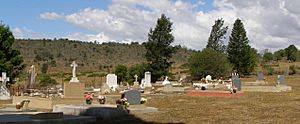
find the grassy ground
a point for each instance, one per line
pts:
(254, 107)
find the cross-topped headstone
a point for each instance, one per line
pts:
(136, 78)
(74, 65)
(74, 78)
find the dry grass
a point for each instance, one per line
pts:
(254, 107)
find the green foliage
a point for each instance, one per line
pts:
(291, 53)
(11, 61)
(292, 69)
(217, 35)
(209, 61)
(44, 68)
(269, 69)
(46, 80)
(279, 54)
(240, 54)
(121, 72)
(159, 49)
(268, 56)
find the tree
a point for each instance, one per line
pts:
(240, 54)
(159, 49)
(268, 56)
(11, 60)
(121, 72)
(208, 61)
(279, 54)
(291, 53)
(217, 34)
(139, 70)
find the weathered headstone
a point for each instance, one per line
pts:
(112, 80)
(133, 97)
(236, 81)
(280, 80)
(74, 78)
(260, 76)
(4, 92)
(148, 79)
(31, 77)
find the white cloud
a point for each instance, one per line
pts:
(50, 16)
(269, 23)
(27, 33)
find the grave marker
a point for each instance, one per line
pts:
(133, 97)
(112, 81)
(148, 79)
(260, 76)
(280, 80)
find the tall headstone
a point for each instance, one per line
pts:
(112, 81)
(4, 92)
(260, 76)
(236, 81)
(31, 77)
(74, 78)
(148, 79)
(133, 97)
(74, 89)
(280, 80)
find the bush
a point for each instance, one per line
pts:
(269, 70)
(292, 70)
(209, 62)
(46, 80)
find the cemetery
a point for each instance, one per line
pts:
(71, 106)
(104, 67)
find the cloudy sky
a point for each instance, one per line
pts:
(270, 24)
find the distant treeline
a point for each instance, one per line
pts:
(57, 54)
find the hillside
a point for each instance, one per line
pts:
(90, 56)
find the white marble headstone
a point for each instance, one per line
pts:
(148, 79)
(112, 80)
(207, 78)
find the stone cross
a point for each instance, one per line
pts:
(135, 76)
(74, 65)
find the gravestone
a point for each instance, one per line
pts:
(31, 77)
(74, 78)
(133, 97)
(280, 80)
(4, 92)
(112, 81)
(73, 89)
(236, 81)
(136, 80)
(260, 76)
(148, 79)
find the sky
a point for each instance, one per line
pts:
(270, 24)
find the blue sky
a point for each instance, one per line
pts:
(270, 24)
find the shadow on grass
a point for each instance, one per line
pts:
(108, 115)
